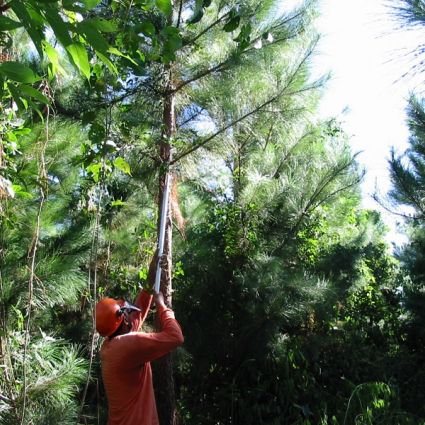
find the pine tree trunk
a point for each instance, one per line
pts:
(163, 368)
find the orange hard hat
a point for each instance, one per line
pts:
(109, 315)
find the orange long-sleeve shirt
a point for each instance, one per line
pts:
(126, 368)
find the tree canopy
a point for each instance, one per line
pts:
(294, 308)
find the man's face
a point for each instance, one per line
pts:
(126, 327)
(129, 316)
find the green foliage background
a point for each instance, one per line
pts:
(294, 309)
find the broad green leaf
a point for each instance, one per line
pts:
(167, 56)
(22, 131)
(122, 165)
(20, 192)
(89, 4)
(53, 56)
(7, 24)
(81, 5)
(34, 12)
(18, 72)
(87, 118)
(32, 92)
(146, 5)
(10, 136)
(103, 25)
(97, 132)
(115, 5)
(93, 36)
(51, 72)
(146, 27)
(59, 26)
(164, 6)
(107, 62)
(244, 37)
(94, 170)
(35, 33)
(245, 32)
(143, 273)
(16, 97)
(173, 39)
(117, 203)
(115, 51)
(79, 55)
(172, 43)
(170, 31)
(34, 107)
(51, 53)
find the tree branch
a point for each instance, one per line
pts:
(255, 110)
(200, 75)
(223, 64)
(269, 135)
(304, 213)
(222, 130)
(190, 42)
(279, 168)
(341, 189)
(406, 190)
(276, 27)
(196, 114)
(391, 211)
(327, 179)
(179, 14)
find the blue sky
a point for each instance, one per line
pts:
(366, 58)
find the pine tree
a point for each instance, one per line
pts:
(159, 94)
(407, 177)
(42, 251)
(219, 93)
(410, 15)
(259, 200)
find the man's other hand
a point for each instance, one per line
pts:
(159, 299)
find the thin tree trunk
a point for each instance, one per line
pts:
(163, 368)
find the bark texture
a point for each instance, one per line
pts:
(163, 368)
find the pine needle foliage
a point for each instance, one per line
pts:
(408, 171)
(264, 185)
(55, 371)
(407, 177)
(283, 285)
(51, 368)
(410, 12)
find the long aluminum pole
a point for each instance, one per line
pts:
(164, 216)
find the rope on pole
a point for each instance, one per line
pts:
(164, 215)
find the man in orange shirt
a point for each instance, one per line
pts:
(126, 354)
